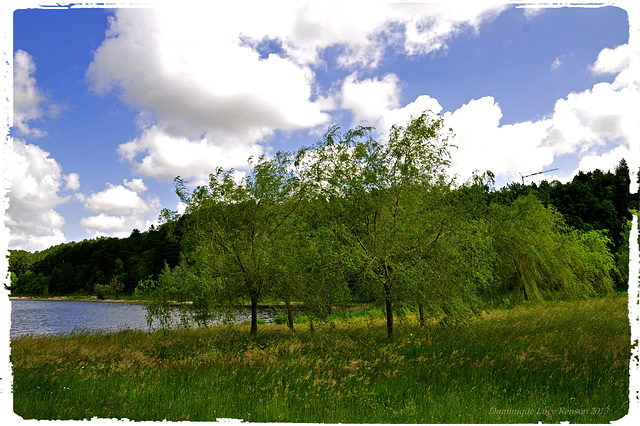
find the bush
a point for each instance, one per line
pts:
(301, 319)
(280, 319)
(101, 291)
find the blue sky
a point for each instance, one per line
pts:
(110, 105)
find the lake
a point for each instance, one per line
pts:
(47, 317)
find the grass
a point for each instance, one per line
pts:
(551, 362)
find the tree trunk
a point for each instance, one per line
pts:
(389, 307)
(254, 316)
(421, 313)
(524, 287)
(387, 301)
(289, 313)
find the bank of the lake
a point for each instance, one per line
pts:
(550, 362)
(56, 316)
(79, 299)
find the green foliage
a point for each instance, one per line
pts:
(101, 291)
(381, 200)
(179, 296)
(538, 254)
(621, 256)
(77, 267)
(353, 219)
(591, 201)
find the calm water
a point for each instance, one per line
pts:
(44, 317)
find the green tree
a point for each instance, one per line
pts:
(391, 205)
(234, 226)
(538, 255)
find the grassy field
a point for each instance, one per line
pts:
(550, 362)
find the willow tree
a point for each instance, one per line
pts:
(387, 204)
(236, 225)
(539, 255)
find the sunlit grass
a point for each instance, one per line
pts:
(551, 362)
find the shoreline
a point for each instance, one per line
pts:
(129, 301)
(77, 299)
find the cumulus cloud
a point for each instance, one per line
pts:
(369, 99)
(36, 178)
(36, 181)
(135, 185)
(429, 27)
(305, 29)
(73, 181)
(585, 123)
(158, 154)
(612, 61)
(402, 115)
(28, 99)
(194, 75)
(587, 119)
(606, 161)
(483, 144)
(120, 209)
(595, 124)
(210, 93)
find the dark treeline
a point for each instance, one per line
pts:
(90, 265)
(355, 220)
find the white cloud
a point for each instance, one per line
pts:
(612, 61)
(584, 124)
(191, 71)
(430, 26)
(115, 199)
(371, 98)
(483, 144)
(362, 29)
(120, 209)
(36, 180)
(588, 119)
(402, 115)
(104, 222)
(136, 185)
(73, 181)
(165, 157)
(209, 96)
(581, 124)
(606, 161)
(557, 63)
(28, 99)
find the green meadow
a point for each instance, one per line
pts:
(548, 362)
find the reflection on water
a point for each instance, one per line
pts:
(45, 317)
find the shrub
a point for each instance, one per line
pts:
(101, 291)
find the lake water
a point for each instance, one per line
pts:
(46, 317)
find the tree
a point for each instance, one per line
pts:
(391, 205)
(234, 226)
(538, 255)
(116, 283)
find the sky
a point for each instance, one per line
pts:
(110, 105)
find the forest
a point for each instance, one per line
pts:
(355, 220)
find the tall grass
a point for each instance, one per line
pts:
(551, 362)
